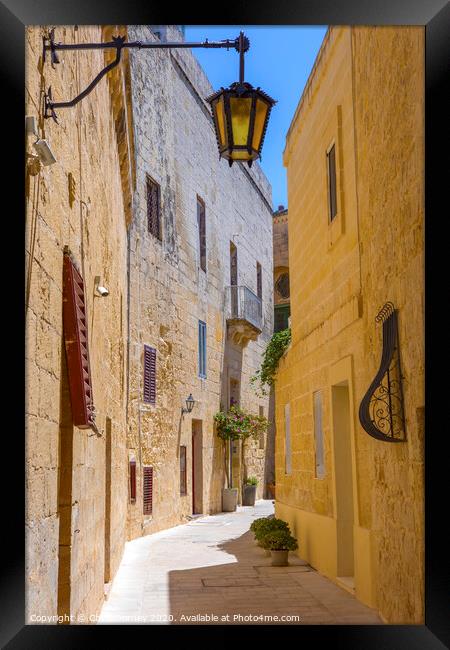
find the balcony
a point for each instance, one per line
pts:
(244, 314)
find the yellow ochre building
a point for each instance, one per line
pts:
(350, 388)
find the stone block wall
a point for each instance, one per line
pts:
(65, 466)
(389, 93)
(365, 95)
(170, 293)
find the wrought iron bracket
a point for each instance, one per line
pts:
(381, 411)
(241, 44)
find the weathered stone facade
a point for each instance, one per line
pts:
(354, 502)
(76, 479)
(170, 292)
(281, 268)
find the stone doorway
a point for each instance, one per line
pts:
(197, 467)
(343, 482)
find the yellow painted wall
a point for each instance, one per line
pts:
(341, 273)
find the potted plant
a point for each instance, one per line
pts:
(280, 542)
(264, 525)
(235, 424)
(230, 426)
(249, 491)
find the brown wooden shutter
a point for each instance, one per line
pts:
(133, 480)
(183, 482)
(201, 221)
(148, 490)
(153, 208)
(76, 345)
(149, 374)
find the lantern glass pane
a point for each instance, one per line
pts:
(220, 114)
(260, 118)
(240, 118)
(241, 154)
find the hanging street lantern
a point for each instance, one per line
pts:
(190, 402)
(240, 114)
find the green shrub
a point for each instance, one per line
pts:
(251, 480)
(260, 527)
(279, 540)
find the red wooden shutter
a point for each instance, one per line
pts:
(133, 480)
(148, 490)
(149, 374)
(76, 345)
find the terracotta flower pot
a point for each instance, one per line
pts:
(279, 558)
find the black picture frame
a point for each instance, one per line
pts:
(435, 15)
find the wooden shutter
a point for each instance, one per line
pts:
(76, 345)
(149, 375)
(201, 220)
(148, 490)
(153, 208)
(132, 481)
(183, 483)
(258, 280)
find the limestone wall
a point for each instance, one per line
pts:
(365, 94)
(170, 293)
(389, 93)
(65, 466)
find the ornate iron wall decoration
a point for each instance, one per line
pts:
(381, 411)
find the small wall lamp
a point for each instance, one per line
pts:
(190, 403)
(99, 290)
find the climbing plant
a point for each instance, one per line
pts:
(264, 377)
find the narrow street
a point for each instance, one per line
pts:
(211, 567)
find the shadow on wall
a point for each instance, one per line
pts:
(269, 457)
(245, 583)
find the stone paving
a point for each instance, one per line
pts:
(210, 571)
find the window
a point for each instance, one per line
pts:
(233, 265)
(287, 432)
(183, 485)
(201, 220)
(332, 199)
(258, 280)
(154, 208)
(149, 375)
(281, 317)
(261, 435)
(282, 286)
(202, 349)
(148, 490)
(132, 481)
(318, 435)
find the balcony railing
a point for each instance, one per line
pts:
(243, 304)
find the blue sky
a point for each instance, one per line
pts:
(279, 60)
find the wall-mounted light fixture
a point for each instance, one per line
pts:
(240, 113)
(190, 402)
(99, 289)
